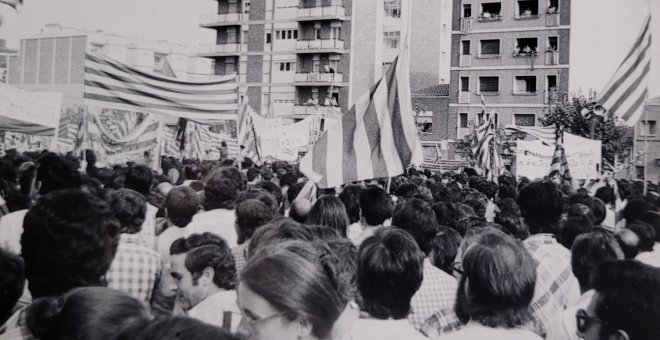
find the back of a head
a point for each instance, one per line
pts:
(300, 208)
(250, 215)
(498, 281)
(222, 188)
(597, 208)
(441, 193)
(590, 249)
(57, 173)
(139, 178)
(541, 205)
(192, 172)
(375, 205)
(652, 218)
(182, 203)
(329, 211)
(347, 254)
(293, 191)
(605, 194)
(350, 196)
(635, 311)
(417, 218)
(635, 208)
(390, 271)
(69, 240)
(629, 242)
(572, 228)
(444, 249)
(445, 214)
(261, 195)
(252, 174)
(130, 208)
(276, 232)
(272, 188)
(12, 282)
(84, 313)
(175, 328)
(646, 235)
(509, 219)
(581, 211)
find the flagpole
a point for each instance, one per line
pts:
(646, 144)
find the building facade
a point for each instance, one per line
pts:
(514, 53)
(646, 131)
(5, 54)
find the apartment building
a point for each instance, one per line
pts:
(5, 54)
(514, 53)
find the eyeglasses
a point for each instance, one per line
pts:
(254, 322)
(584, 320)
(457, 267)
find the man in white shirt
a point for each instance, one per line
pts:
(375, 208)
(181, 204)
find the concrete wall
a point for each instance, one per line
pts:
(653, 171)
(443, 122)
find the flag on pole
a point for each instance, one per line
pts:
(247, 137)
(559, 162)
(546, 134)
(377, 138)
(625, 93)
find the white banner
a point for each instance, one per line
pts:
(29, 112)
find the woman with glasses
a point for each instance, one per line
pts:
(290, 291)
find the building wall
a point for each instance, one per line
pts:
(441, 118)
(653, 169)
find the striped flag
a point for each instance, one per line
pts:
(559, 162)
(247, 137)
(205, 144)
(16, 4)
(377, 138)
(625, 93)
(546, 134)
(113, 85)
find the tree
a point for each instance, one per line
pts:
(567, 114)
(505, 141)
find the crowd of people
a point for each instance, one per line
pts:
(211, 250)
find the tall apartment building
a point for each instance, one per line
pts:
(296, 52)
(5, 54)
(513, 52)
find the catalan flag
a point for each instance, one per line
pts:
(559, 162)
(546, 134)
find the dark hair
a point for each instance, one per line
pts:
(252, 173)
(510, 221)
(441, 193)
(277, 231)
(541, 205)
(465, 224)
(323, 233)
(628, 298)
(498, 281)
(84, 313)
(375, 205)
(192, 172)
(293, 191)
(507, 191)
(646, 234)
(182, 203)
(261, 195)
(350, 196)
(69, 240)
(250, 215)
(606, 194)
(207, 251)
(635, 208)
(572, 228)
(175, 328)
(139, 178)
(629, 242)
(444, 248)
(445, 214)
(271, 188)
(407, 190)
(390, 271)
(581, 211)
(597, 208)
(417, 217)
(306, 287)
(590, 249)
(130, 208)
(329, 211)
(57, 173)
(488, 188)
(478, 205)
(347, 254)
(652, 218)
(12, 282)
(222, 188)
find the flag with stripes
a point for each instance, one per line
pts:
(205, 144)
(625, 93)
(114, 85)
(546, 134)
(170, 145)
(377, 138)
(247, 137)
(559, 162)
(68, 129)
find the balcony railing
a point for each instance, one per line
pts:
(223, 19)
(526, 16)
(552, 19)
(230, 48)
(552, 57)
(532, 54)
(300, 110)
(554, 96)
(317, 77)
(314, 13)
(319, 44)
(466, 25)
(490, 17)
(464, 97)
(465, 60)
(523, 93)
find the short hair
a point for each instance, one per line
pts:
(182, 203)
(497, 285)
(488, 188)
(444, 248)
(57, 173)
(441, 193)
(250, 215)
(646, 234)
(541, 205)
(347, 254)
(606, 194)
(277, 231)
(261, 195)
(407, 190)
(293, 191)
(306, 287)
(12, 282)
(510, 221)
(271, 188)
(652, 218)
(375, 205)
(470, 222)
(597, 208)
(417, 218)
(207, 251)
(222, 188)
(192, 171)
(572, 228)
(590, 249)
(175, 328)
(69, 240)
(139, 178)
(252, 173)
(390, 271)
(507, 191)
(635, 208)
(130, 208)
(84, 313)
(329, 211)
(478, 205)
(445, 214)
(622, 307)
(350, 196)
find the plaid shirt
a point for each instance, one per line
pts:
(437, 292)
(556, 287)
(240, 256)
(441, 323)
(135, 269)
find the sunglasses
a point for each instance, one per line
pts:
(584, 320)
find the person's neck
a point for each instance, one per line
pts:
(367, 226)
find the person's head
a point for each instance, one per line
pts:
(290, 291)
(250, 215)
(130, 208)
(139, 178)
(222, 188)
(646, 235)
(417, 218)
(652, 218)
(181, 204)
(589, 250)
(445, 214)
(629, 242)
(276, 232)
(572, 228)
(174, 328)
(253, 174)
(329, 211)
(390, 271)
(510, 221)
(202, 264)
(497, 284)
(349, 195)
(606, 194)
(444, 248)
(626, 305)
(57, 173)
(375, 206)
(541, 205)
(507, 191)
(272, 188)
(441, 193)
(293, 191)
(84, 313)
(12, 282)
(192, 172)
(69, 240)
(635, 208)
(597, 208)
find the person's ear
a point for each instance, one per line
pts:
(167, 215)
(620, 334)
(303, 328)
(207, 276)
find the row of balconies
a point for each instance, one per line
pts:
(551, 57)
(464, 97)
(333, 12)
(302, 46)
(551, 20)
(316, 77)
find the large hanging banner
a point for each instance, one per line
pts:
(36, 113)
(533, 158)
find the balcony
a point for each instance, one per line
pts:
(466, 25)
(334, 12)
(523, 93)
(320, 46)
(489, 17)
(553, 96)
(524, 16)
(300, 111)
(318, 79)
(531, 54)
(464, 97)
(552, 57)
(465, 60)
(229, 19)
(222, 50)
(552, 19)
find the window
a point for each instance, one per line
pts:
(491, 10)
(552, 44)
(524, 119)
(277, 35)
(465, 47)
(159, 62)
(232, 38)
(335, 33)
(289, 34)
(553, 6)
(467, 11)
(463, 120)
(640, 172)
(230, 66)
(490, 47)
(269, 37)
(480, 118)
(465, 84)
(524, 84)
(393, 8)
(286, 34)
(648, 128)
(551, 84)
(295, 34)
(489, 84)
(527, 8)
(287, 66)
(391, 39)
(526, 47)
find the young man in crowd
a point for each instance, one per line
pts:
(375, 208)
(181, 204)
(140, 178)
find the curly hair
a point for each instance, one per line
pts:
(130, 208)
(56, 173)
(222, 188)
(204, 251)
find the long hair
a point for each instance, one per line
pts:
(329, 211)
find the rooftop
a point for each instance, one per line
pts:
(440, 90)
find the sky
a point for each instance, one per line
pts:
(602, 30)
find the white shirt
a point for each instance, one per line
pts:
(610, 220)
(354, 230)
(219, 222)
(385, 330)
(166, 238)
(148, 231)
(652, 258)
(565, 326)
(476, 331)
(212, 310)
(11, 229)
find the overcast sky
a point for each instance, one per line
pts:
(602, 30)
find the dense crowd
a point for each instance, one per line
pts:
(211, 250)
